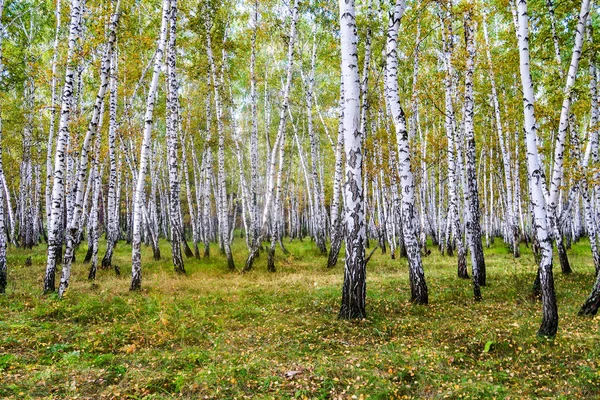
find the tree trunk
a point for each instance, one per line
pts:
(452, 216)
(471, 190)
(355, 286)
(557, 169)
(535, 170)
(112, 204)
(58, 184)
(279, 143)
(173, 143)
(138, 206)
(336, 222)
(418, 285)
(73, 226)
(317, 191)
(50, 143)
(505, 150)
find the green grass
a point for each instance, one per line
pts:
(215, 334)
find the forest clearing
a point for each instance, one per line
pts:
(226, 335)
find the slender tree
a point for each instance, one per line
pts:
(112, 231)
(173, 142)
(354, 289)
(536, 177)
(138, 201)
(471, 189)
(97, 113)
(418, 285)
(450, 123)
(558, 168)
(58, 181)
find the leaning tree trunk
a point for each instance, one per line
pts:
(536, 176)
(97, 113)
(58, 180)
(557, 169)
(354, 289)
(138, 206)
(418, 285)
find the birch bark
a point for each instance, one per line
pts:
(418, 285)
(557, 169)
(536, 177)
(471, 189)
(138, 206)
(452, 215)
(173, 142)
(355, 286)
(98, 110)
(58, 180)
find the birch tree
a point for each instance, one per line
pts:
(278, 148)
(138, 205)
(173, 141)
(502, 139)
(471, 189)
(112, 231)
(354, 289)
(254, 212)
(557, 168)
(536, 177)
(98, 110)
(418, 285)
(319, 220)
(449, 123)
(58, 180)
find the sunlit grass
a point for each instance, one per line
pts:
(226, 335)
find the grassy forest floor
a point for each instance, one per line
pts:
(215, 334)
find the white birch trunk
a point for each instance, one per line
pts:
(505, 149)
(254, 213)
(50, 143)
(58, 184)
(453, 219)
(73, 225)
(354, 287)
(536, 176)
(419, 293)
(112, 234)
(557, 169)
(317, 191)
(471, 189)
(272, 189)
(173, 143)
(3, 241)
(138, 206)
